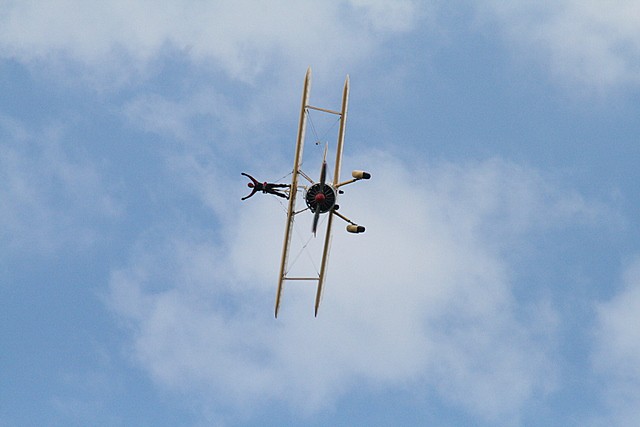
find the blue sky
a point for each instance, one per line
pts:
(498, 282)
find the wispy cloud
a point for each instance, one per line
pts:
(422, 298)
(240, 38)
(585, 43)
(50, 199)
(617, 350)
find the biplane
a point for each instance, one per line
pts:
(320, 196)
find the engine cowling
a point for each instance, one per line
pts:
(320, 198)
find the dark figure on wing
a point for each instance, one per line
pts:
(265, 187)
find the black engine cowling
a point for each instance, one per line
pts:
(320, 198)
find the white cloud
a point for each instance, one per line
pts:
(617, 352)
(202, 116)
(159, 115)
(390, 16)
(240, 37)
(49, 198)
(422, 298)
(588, 43)
(592, 43)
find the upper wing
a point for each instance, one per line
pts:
(336, 180)
(294, 186)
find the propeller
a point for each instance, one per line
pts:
(320, 196)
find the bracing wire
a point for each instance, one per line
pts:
(304, 244)
(303, 249)
(293, 193)
(313, 127)
(284, 208)
(281, 178)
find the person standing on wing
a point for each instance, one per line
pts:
(265, 187)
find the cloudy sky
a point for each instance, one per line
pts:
(498, 281)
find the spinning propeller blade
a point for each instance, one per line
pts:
(320, 195)
(316, 217)
(323, 170)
